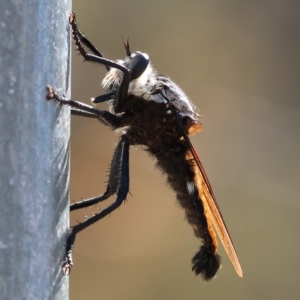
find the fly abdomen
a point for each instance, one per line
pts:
(181, 177)
(206, 263)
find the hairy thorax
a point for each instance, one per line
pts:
(155, 124)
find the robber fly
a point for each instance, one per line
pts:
(154, 112)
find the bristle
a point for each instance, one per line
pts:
(206, 263)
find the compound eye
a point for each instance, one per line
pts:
(138, 64)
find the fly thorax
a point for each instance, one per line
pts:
(166, 90)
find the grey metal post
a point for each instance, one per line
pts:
(34, 148)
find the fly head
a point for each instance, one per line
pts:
(137, 62)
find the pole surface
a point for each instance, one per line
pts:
(34, 148)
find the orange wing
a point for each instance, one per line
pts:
(211, 205)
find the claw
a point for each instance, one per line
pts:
(50, 93)
(67, 264)
(72, 17)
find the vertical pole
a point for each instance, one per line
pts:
(34, 148)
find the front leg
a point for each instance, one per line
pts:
(123, 88)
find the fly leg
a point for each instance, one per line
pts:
(78, 112)
(118, 183)
(81, 109)
(121, 93)
(112, 186)
(82, 38)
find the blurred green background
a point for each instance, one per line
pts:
(239, 63)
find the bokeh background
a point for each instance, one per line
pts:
(239, 63)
